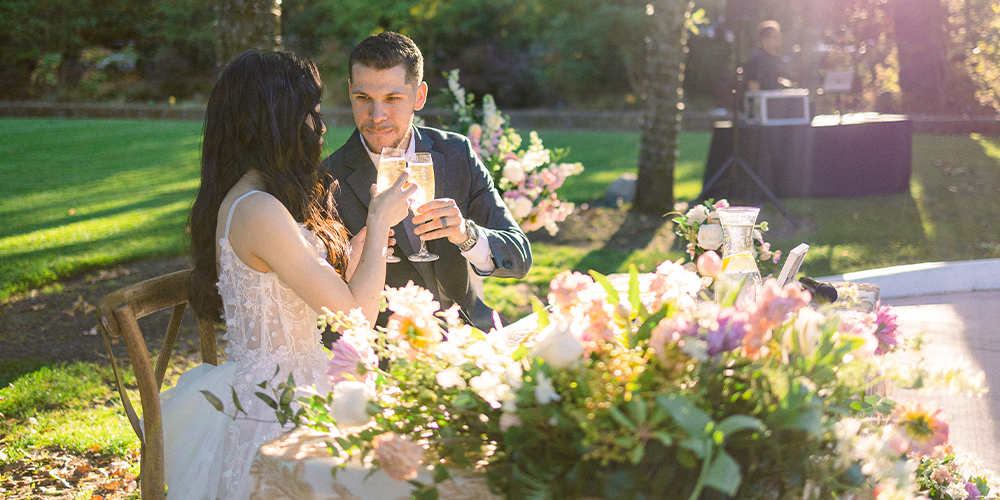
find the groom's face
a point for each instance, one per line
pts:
(383, 104)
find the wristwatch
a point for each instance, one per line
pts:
(473, 232)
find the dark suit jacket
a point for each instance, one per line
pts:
(459, 175)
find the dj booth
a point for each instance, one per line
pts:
(862, 154)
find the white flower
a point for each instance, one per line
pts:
(805, 334)
(508, 420)
(697, 215)
(957, 491)
(710, 236)
(560, 344)
(450, 378)
(544, 392)
(350, 401)
(489, 387)
(520, 207)
(514, 172)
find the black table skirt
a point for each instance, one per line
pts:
(830, 161)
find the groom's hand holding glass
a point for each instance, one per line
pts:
(441, 218)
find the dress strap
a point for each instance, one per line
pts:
(232, 208)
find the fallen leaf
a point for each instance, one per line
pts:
(72, 211)
(92, 331)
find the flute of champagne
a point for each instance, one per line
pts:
(391, 164)
(422, 174)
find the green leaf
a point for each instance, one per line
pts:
(638, 408)
(613, 297)
(440, 473)
(519, 353)
(540, 312)
(236, 401)
(644, 331)
(621, 418)
(636, 455)
(664, 438)
(214, 400)
(700, 447)
(286, 396)
(689, 417)
(633, 290)
(736, 423)
(266, 399)
(724, 474)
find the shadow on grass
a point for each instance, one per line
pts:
(636, 233)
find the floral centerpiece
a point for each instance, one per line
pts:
(700, 227)
(526, 178)
(634, 386)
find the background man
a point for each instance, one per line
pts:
(466, 222)
(765, 70)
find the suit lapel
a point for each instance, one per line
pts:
(363, 173)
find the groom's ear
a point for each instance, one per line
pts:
(421, 96)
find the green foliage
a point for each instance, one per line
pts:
(68, 405)
(53, 387)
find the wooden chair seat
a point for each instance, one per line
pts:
(120, 311)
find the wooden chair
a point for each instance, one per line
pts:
(119, 311)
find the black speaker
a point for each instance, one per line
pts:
(742, 10)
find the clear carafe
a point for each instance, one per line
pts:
(740, 275)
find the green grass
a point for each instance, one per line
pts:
(130, 183)
(68, 405)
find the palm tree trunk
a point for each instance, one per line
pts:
(664, 95)
(246, 24)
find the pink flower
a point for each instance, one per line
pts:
(346, 358)
(777, 256)
(709, 264)
(773, 306)
(669, 331)
(941, 475)
(398, 456)
(565, 287)
(886, 328)
(925, 427)
(721, 204)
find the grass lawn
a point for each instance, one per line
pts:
(79, 194)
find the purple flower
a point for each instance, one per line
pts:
(727, 331)
(972, 490)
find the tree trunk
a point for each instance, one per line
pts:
(664, 97)
(246, 24)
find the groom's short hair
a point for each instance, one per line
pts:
(388, 50)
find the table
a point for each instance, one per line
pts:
(864, 154)
(297, 466)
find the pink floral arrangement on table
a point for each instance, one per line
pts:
(633, 376)
(527, 179)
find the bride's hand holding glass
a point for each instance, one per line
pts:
(389, 207)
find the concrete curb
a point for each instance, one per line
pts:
(929, 278)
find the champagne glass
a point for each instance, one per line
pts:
(422, 174)
(391, 164)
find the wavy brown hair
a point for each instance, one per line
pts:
(255, 119)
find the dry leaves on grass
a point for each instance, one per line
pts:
(58, 474)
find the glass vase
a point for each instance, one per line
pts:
(740, 276)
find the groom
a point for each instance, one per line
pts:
(466, 224)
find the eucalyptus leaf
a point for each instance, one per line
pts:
(236, 401)
(214, 400)
(621, 418)
(736, 423)
(267, 400)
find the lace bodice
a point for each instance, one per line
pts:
(263, 316)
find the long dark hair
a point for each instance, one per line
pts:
(256, 120)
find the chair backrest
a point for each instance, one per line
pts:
(120, 311)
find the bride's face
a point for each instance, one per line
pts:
(311, 122)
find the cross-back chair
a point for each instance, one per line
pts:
(120, 311)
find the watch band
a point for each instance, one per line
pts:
(473, 231)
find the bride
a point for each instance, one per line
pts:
(269, 251)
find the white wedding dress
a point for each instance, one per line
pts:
(208, 454)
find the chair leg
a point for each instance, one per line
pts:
(151, 471)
